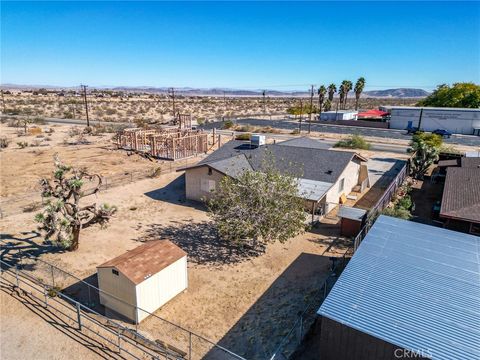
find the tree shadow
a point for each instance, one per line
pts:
(262, 327)
(14, 248)
(201, 242)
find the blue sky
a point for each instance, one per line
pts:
(257, 45)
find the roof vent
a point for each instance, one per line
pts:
(329, 172)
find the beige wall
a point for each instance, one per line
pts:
(195, 178)
(120, 287)
(158, 289)
(350, 174)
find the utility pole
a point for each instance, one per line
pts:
(224, 105)
(264, 107)
(420, 119)
(84, 87)
(311, 109)
(173, 101)
(301, 113)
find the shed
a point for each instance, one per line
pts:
(142, 280)
(352, 220)
(410, 290)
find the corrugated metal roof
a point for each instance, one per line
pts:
(352, 213)
(414, 286)
(313, 190)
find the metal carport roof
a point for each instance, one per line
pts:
(414, 286)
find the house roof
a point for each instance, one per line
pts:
(302, 162)
(471, 162)
(351, 213)
(461, 194)
(414, 286)
(307, 142)
(146, 260)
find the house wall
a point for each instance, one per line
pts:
(455, 121)
(120, 287)
(193, 182)
(351, 176)
(158, 289)
(340, 342)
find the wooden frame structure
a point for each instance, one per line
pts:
(164, 143)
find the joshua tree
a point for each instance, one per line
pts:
(321, 98)
(63, 217)
(359, 85)
(332, 89)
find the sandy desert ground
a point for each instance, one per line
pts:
(146, 107)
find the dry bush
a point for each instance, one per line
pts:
(4, 142)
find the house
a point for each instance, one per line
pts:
(142, 280)
(455, 120)
(409, 291)
(338, 115)
(324, 176)
(460, 206)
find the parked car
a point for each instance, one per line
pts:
(442, 133)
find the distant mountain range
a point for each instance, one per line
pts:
(389, 93)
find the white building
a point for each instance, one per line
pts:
(144, 278)
(455, 120)
(338, 115)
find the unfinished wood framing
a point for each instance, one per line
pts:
(164, 143)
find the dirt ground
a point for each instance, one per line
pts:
(232, 298)
(245, 302)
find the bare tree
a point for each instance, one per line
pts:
(63, 216)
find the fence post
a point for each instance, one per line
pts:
(79, 317)
(46, 296)
(16, 275)
(189, 345)
(119, 343)
(53, 276)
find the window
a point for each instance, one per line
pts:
(209, 171)
(341, 185)
(115, 272)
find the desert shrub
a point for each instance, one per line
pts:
(49, 131)
(228, 124)
(4, 142)
(353, 142)
(39, 121)
(245, 136)
(245, 128)
(405, 202)
(34, 131)
(74, 131)
(22, 144)
(201, 121)
(397, 212)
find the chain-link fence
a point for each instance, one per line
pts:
(163, 334)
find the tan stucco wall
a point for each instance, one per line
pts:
(350, 174)
(121, 288)
(193, 182)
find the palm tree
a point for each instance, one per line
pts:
(322, 90)
(347, 86)
(332, 89)
(341, 92)
(359, 85)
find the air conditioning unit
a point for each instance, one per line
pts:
(257, 140)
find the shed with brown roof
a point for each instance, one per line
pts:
(142, 280)
(461, 199)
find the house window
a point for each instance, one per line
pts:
(209, 171)
(114, 272)
(341, 185)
